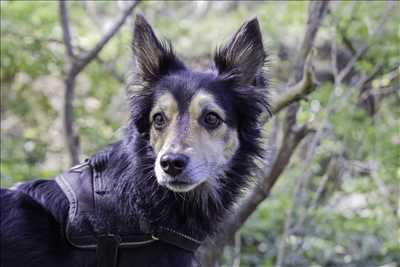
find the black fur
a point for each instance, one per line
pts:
(33, 216)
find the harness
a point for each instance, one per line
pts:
(86, 188)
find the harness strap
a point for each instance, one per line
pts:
(107, 250)
(177, 239)
(86, 188)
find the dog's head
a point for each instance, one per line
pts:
(199, 124)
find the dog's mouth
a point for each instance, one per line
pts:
(180, 186)
(187, 180)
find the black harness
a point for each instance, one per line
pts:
(86, 188)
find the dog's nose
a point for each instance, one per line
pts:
(173, 163)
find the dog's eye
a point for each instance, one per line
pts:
(212, 120)
(159, 121)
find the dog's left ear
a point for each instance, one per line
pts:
(243, 55)
(154, 57)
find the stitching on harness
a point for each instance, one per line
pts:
(183, 235)
(70, 195)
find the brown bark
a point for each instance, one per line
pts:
(75, 64)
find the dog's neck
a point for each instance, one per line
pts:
(141, 202)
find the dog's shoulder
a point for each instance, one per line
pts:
(48, 195)
(21, 203)
(29, 223)
(20, 213)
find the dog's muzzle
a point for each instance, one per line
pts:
(174, 164)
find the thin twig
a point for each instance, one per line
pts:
(376, 32)
(343, 30)
(334, 54)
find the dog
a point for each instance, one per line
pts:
(188, 152)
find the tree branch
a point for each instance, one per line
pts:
(376, 32)
(302, 181)
(89, 56)
(65, 29)
(316, 12)
(292, 137)
(302, 82)
(68, 119)
(297, 91)
(75, 65)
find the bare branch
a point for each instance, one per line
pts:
(293, 135)
(300, 184)
(376, 32)
(68, 116)
(303, 179)
(343, 29)
(302, 83)
(75, 66)
(64, 20)
(89, 56)
(295, 92)
(68, 119)
(316, 12)
(36, 38)
(236, 248)
(379, 93)
(286, 228)
(334, 54)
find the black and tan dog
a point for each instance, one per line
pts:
(150, 199)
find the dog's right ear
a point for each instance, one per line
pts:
(154, 57)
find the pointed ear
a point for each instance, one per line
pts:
(243, 56)
(154, 57)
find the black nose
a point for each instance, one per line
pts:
(173, 163)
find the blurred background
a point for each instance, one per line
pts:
(337, 201)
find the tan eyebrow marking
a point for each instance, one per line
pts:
(203, 100)
(167, 104)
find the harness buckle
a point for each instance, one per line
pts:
(79, 166)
